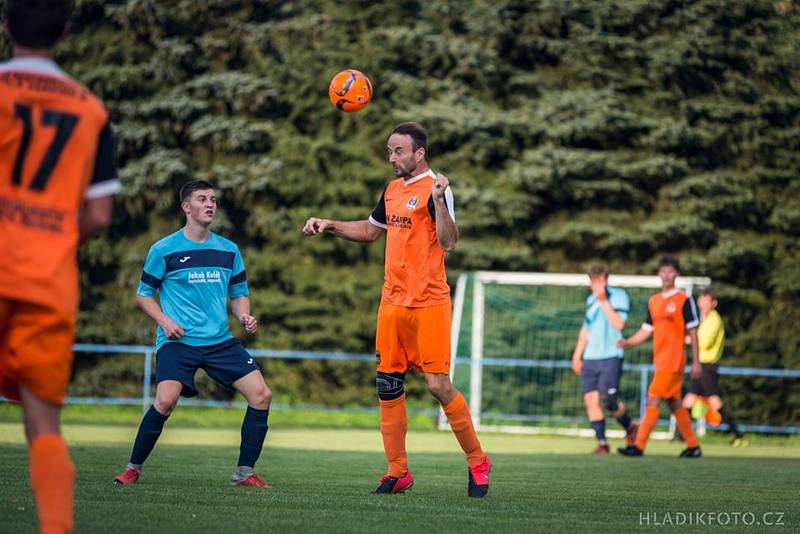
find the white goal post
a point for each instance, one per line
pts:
(476, 361)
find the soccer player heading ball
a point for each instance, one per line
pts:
(416, 212)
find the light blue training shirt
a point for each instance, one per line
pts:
(193, 281)
(602, 336)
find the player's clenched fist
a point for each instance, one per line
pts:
(440, 183)
(171, 329)
(316, 226)
(249, 323)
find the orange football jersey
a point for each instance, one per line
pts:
(669, 315)
(414, 274)
(56, 150)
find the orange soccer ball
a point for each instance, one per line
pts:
(350, 90)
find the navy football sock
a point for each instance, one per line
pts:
(149, 430)
(254, 430)
(599, 430)
(624, 420)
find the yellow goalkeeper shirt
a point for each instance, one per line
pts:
(711, 337)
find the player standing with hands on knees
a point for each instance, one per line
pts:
(194, 271)
(671, 315)
(413, 326)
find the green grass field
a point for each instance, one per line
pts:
(323, 477)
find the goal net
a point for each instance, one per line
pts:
(512, 340)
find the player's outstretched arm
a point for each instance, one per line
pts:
(241, 309)
(350, 230)
(446, 228)
(642, 335)
(94, 217)
(152, 308)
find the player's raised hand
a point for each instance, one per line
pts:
(315, 226)
(440, 183)
(249, 323)
(171, 329)
(599, 289)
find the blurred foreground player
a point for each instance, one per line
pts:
(57, 176)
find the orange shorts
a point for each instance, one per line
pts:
(35, 350)
(666, 385)
(413, 337)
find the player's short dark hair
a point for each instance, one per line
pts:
(37, 23)
(190, 187)
(597, 270)
(708, 291)
(669, 261)
(419, 138)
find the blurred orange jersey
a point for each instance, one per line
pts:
(669, 315)
(414, 275)
(56, 150)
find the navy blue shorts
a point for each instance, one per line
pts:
(602, 375)
(225, 362)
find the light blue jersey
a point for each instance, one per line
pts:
(602, 336)
(193, 281)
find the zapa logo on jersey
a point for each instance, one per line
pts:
(412, 202)
(205, 277)
(399, 221)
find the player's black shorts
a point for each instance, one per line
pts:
(225, 362)
(602, 375)
(708, 383)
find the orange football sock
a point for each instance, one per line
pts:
(713, 417)
(684, 422)
(394, 425)
(460, 420)
(53, 481)
(646, 426)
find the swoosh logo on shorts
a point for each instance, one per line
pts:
(250, 360)
(184, 259)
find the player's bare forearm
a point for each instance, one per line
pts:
(151, 308)
(639, 337)
(363, 231)
(240, 306)
(446, 228)
(580, 346)
(94, 217)
(695, 346)
(617, 322)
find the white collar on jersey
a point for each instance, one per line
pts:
(668, 294)
(39, 65)
(419, 177)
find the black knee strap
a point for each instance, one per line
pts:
(611, 403)
(390, 385)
